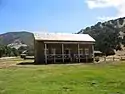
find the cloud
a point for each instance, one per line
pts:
(119, 5)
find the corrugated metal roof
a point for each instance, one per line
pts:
(63, 37)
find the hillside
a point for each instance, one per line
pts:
(17, 38)
(109, 36)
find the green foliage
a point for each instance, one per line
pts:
(123, 41)
(30, 51)
(106, 35)
(21, 49)
(2, 51)
(26, 50)
(121, 20)
(7, 51)
(15, 52)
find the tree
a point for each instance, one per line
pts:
(21, 49)
(1, 51)
(8, 51)
(106, 36)
(121, 20)
(15, 52)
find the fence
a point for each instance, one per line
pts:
(112, 58)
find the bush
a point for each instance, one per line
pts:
(121, 20)
(23, 56)
(110, 51)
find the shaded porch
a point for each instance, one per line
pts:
(55, 52)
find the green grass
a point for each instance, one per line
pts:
(64, 79)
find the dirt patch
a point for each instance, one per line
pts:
(11, 62)
(4, 58)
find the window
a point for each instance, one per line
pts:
(86, 51)
(81, 51)
(53, 51)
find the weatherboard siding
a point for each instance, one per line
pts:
(39, 50)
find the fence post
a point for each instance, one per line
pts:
(121, 58)
(104, 58)
(113, 58)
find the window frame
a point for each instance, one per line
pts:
(86, 51)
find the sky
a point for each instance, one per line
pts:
(63, 16)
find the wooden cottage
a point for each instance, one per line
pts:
(63, 48)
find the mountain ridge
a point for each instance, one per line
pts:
(23, 37)
(109, 35)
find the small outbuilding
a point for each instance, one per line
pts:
(98, 53)
(63, 48)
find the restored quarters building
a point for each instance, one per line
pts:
(63, 48)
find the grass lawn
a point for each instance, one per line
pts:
(63, 79)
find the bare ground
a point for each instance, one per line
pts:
(7, 62)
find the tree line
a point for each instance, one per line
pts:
(6, 51)
(107, 36)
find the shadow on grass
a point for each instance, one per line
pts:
(33, 63)
(67, 63)
(50, 63)
(30, 63)
(26, 63)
